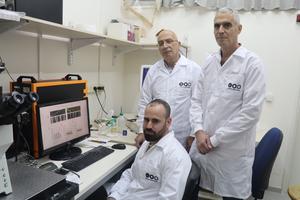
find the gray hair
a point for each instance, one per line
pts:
(234, 13)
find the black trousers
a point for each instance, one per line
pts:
(192, 184)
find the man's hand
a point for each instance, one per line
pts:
(189, 142)
(139, 139)
(203, 142)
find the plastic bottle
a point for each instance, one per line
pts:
(122, 124)
(114, 125)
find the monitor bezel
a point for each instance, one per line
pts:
(44, 152)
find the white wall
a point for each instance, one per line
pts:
(94, 14)
(274, 36)
(82, 14)
(133, 62)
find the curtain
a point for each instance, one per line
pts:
(237, 4)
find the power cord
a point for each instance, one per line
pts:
(96, 92)
(2, 68)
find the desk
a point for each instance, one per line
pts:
(95, 175)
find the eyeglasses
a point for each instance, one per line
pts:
(167, 41)
(225, 25)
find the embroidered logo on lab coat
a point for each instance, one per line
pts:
(151, 177)
(234, 86)
(185, 84)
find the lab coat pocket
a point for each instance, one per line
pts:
(183, 92)
(233, 86)
(196, 156)
(231, 170)
(150, 175)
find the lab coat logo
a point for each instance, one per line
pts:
(233, 86)
(151, 177)
(185, 84)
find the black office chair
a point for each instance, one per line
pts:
(265, 155)
(192, 185)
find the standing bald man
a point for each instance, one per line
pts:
(171, 79)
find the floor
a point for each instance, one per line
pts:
(269, 195)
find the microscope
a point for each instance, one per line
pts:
(11, 108)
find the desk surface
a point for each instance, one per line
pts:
(95, 175)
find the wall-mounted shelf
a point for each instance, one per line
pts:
(6, 25)
(77, 38)
(43, 27)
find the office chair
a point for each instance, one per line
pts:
(265, 155)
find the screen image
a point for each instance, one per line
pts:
(144, 71)
(63, 122)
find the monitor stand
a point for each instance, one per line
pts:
(65, 153)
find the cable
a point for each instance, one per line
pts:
(9, 75)
(104, 104)
(2, 63)
(100, 101)
(26, 142)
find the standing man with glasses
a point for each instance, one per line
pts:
(171, 79)
(225, 110)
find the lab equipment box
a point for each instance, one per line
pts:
(49, 91)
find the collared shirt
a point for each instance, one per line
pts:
(227, 106)
(156, 174)
(175, 88)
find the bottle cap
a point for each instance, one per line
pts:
(121, 113)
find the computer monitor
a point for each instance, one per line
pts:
(50, 10)
(62, 124)
(144, 71)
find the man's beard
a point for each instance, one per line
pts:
(152, 136)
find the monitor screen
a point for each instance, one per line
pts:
(62, 124)
(50, 10)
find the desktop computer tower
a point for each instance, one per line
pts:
(48, 91)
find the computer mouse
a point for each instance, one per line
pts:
(49, 166)
(119, 146)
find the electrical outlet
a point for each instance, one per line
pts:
(98, 88)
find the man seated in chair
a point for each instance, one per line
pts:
(161, 166)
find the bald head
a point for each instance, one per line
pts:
(168, 32)
(168, 45)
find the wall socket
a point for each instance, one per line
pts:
(98, 88)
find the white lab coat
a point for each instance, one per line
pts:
(233, 95)
(157, 174)
(176, 89)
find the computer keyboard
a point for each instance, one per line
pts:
(83, 160)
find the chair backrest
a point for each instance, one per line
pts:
(265, 155)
